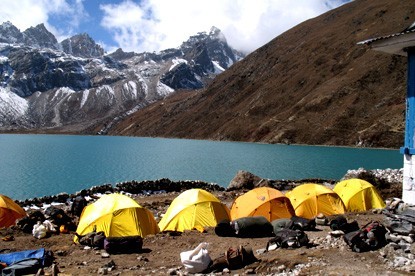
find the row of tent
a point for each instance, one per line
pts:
(119, 215)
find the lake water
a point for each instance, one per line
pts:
(38, 165)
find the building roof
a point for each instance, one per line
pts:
(395, 43)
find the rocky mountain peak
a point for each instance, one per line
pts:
(9, 33)
(82, 45)
(119, 54)
(207, 54)
(40, 37)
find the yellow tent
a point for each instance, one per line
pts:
(310, 199)
(10, 211)
(263, 201)
(359, 195)
(118, 216)
(193, 209)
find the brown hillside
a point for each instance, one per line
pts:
(312, 85)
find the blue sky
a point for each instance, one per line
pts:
(154, 25)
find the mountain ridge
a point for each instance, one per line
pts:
(72, 84)
(310, 85)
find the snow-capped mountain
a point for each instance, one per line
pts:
(46, 84)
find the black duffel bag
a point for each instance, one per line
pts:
(340, 223)
(123, 245)
(288, 238)
(304, 224)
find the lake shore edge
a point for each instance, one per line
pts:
(242, 181)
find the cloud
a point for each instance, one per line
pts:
(27, 13)
(153, 25)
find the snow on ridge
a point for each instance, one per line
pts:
(164, 90)
(3, 59)
(131, 87)
(106, 90)
(142, 83)
(62, 91)
(217, 68)
(85, 95)
(230, 62)
(177, 61)
(12, 104)
(65, 90)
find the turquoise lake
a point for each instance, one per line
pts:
(38, 165)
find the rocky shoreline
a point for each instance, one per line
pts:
(147, 187)
(242, 181)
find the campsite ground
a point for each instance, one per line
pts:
(161, 254)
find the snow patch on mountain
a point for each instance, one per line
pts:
(106, 91)
(177, 61)
(163, 89)
(217, 68)
(142, 83)
(61, 92)
(85, 95)
(12, 107)
(131, 87)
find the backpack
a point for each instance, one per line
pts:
(78, 205)
(22, 267)
(26, 223)
(279, 224)
(304, 224)
(289, 238)
(340, 223)
(122, 245)
(234, 258)
(58, 216)
(369, 237)
(92, 239)
(26, 262)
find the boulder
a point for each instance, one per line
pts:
(247, 180)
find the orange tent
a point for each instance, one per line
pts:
(263, 201)
(10, 211)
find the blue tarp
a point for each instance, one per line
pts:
(10, 258)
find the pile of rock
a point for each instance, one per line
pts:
(389, 175)
(399, 253)
(164, 185)
(65, 198)
(147, 187)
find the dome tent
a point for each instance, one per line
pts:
(10, 211)
(359, 195)
(310, 199)
(116, 215)
(193, 209)
(262, 201)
